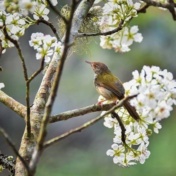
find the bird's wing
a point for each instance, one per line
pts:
(116, 88)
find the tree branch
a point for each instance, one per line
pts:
(51, 26)
(56, 83)
(44, 90)
(170, 6)
(87, 124)
(143, 9)
(50, 102)
(13, 104)
(102, 33)
(15, 42)
(42, 133)
(122, 127)
(172, 9)
(73, 26)
(57, 12)
(37, 72)
(82, 111)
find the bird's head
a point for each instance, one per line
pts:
(98, 67)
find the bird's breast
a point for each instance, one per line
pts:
(106, 93)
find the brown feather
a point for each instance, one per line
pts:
(112, 84)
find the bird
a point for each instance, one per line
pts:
(110, 86)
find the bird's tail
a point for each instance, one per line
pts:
(131, 110)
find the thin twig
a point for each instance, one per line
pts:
(143, 9)
(170, 6)
(102, 33)
(87, 124)
(41, 20)
(37, 72)
(9, 141)
(57, 12)
(81, 111)
(15, 42)
(28, 123)
(122, 127)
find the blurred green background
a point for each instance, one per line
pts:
(84, 153)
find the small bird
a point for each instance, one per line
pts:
(110, 87)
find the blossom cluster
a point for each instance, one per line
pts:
(15, 25)
(114, 12)
(45, 45)
(120, 41)
(156, 95)
(36, 7)
(14, 19)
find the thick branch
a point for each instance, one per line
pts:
(82, 111)
(53, 75)
(56, 83)
(50, 101)
(12, 104)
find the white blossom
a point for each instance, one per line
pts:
(113, 13)
(2, 7)
(156, 127)
(2, 85)
(45, 45)
(41, 11)
(54, 2)
(36, 40)
(144, 153)
(37, 8)
(155, 90)
(97, 1)
(15, 27)
(17, 21)
(109, 122)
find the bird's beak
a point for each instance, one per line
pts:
(88, 62)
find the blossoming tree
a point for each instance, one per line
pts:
(152, 91)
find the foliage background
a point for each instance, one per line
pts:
(85, 153)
